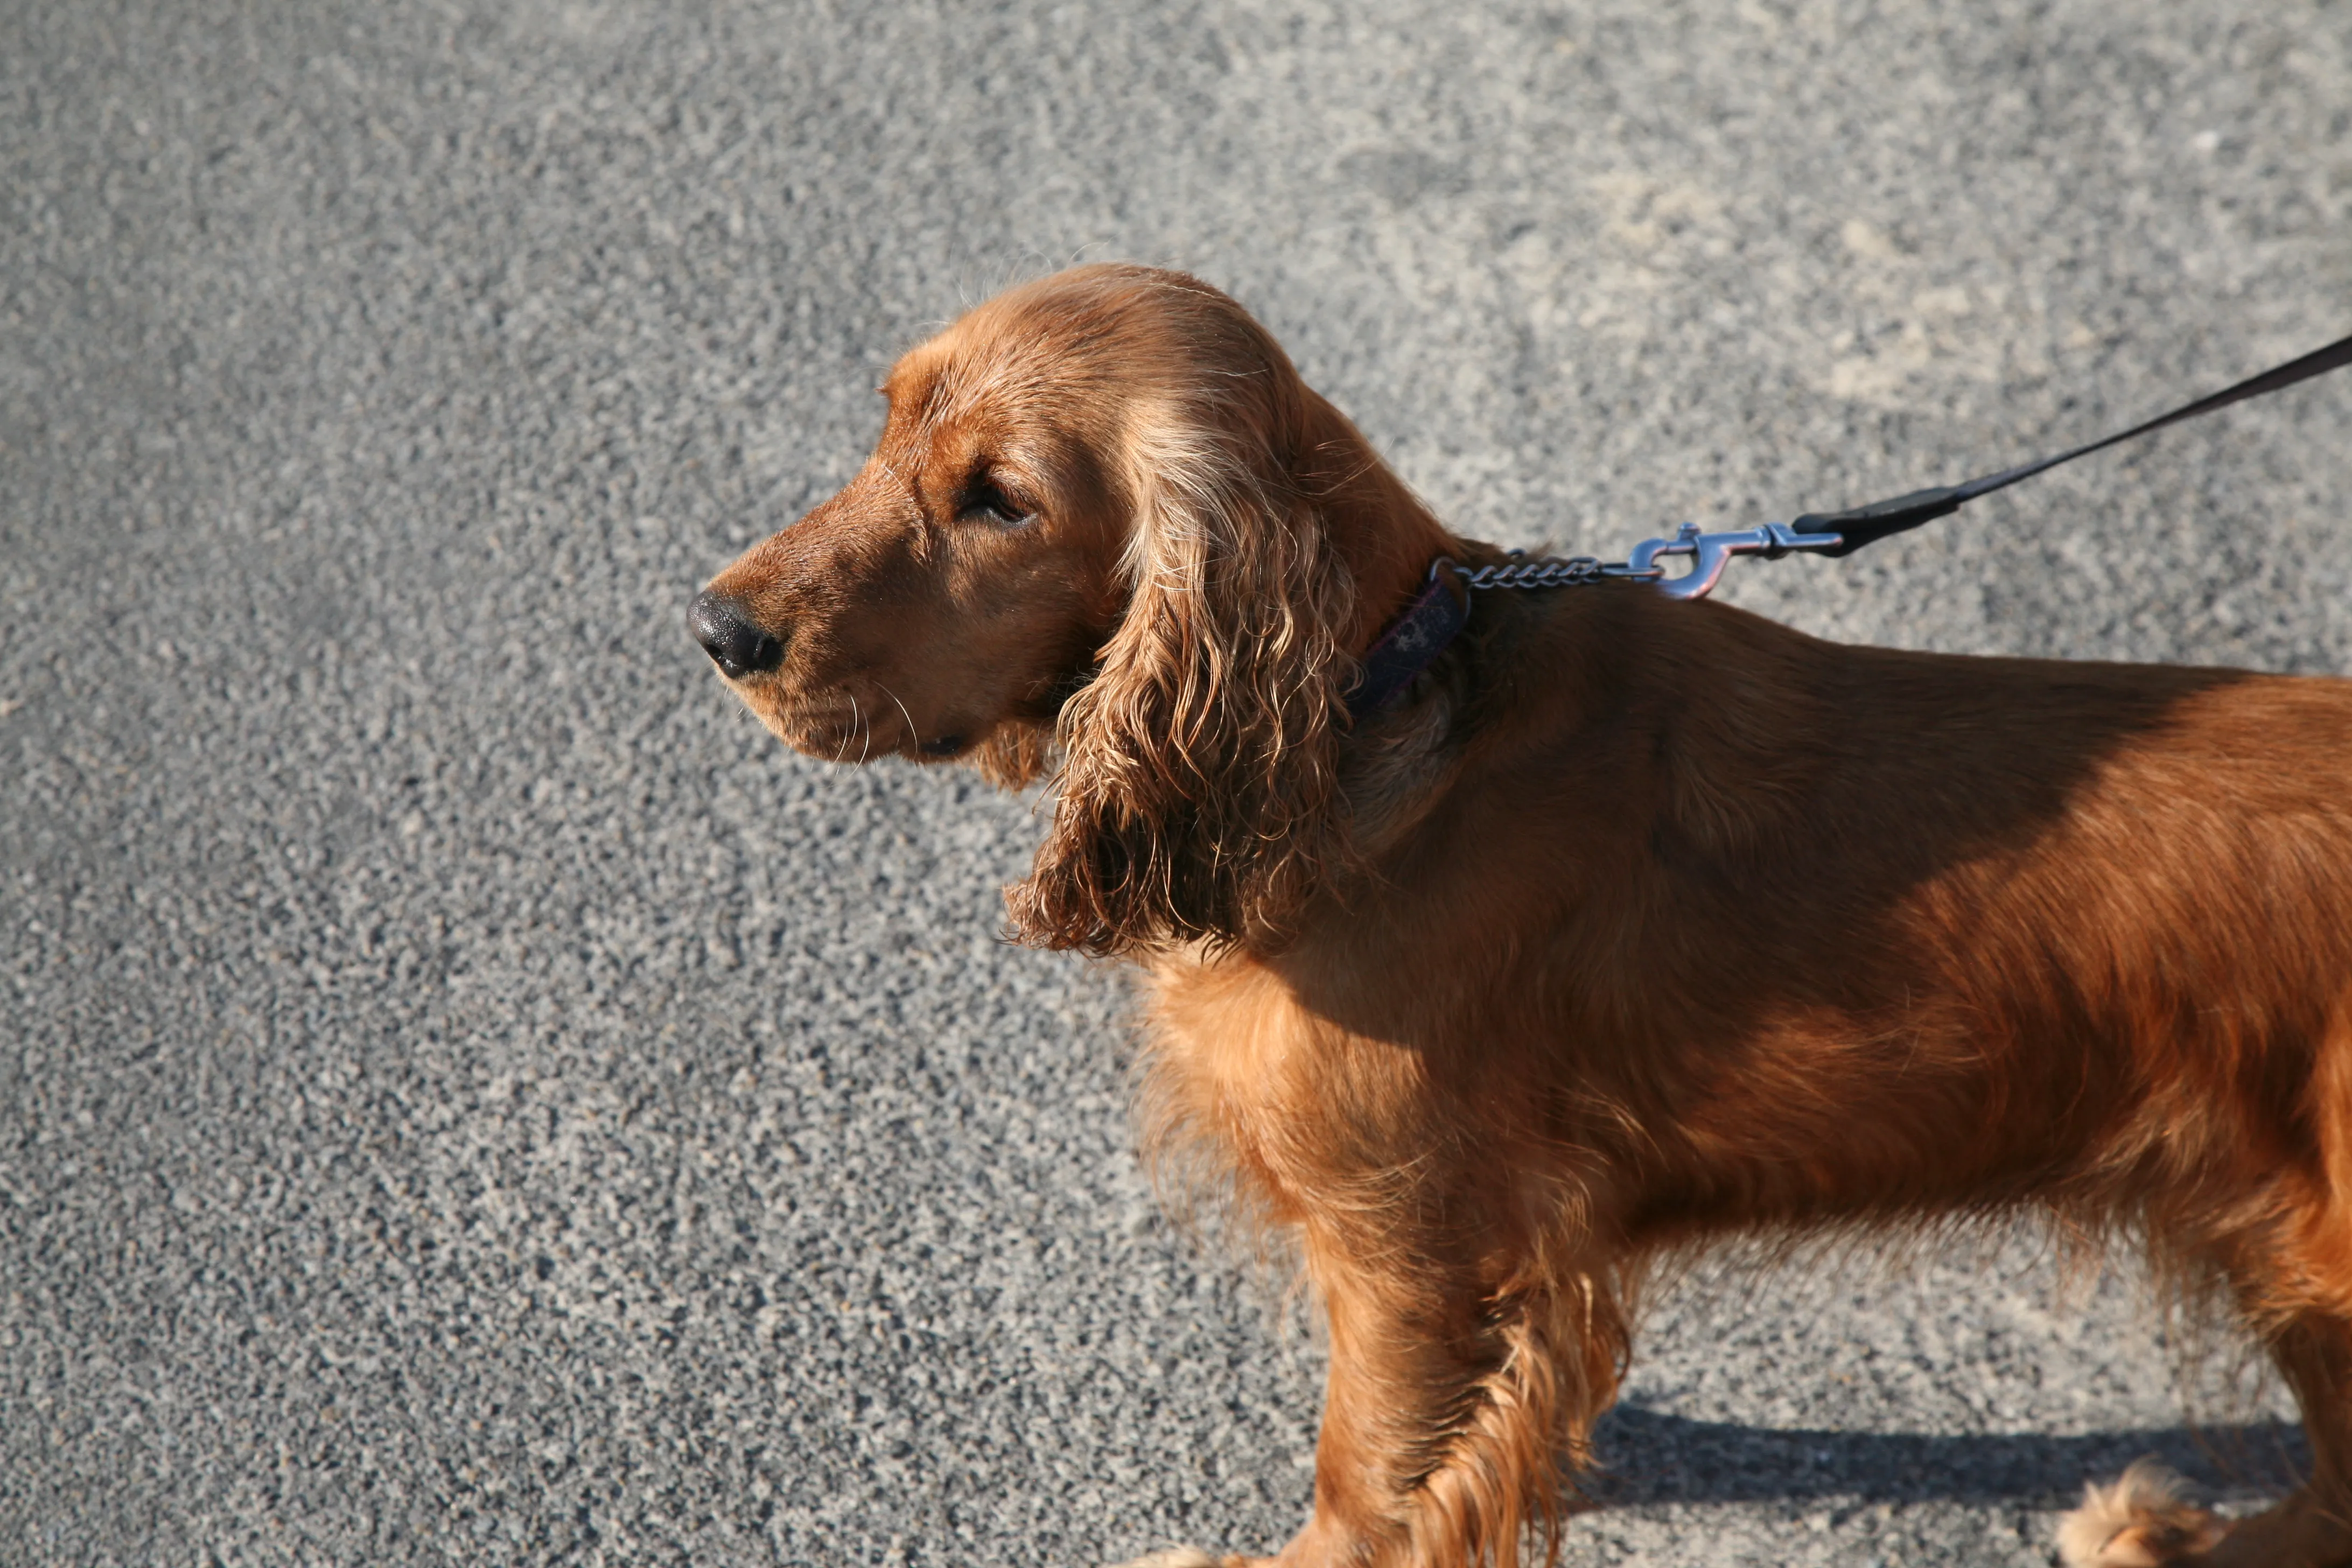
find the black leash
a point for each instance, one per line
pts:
(1437, 613)
(1869, 524)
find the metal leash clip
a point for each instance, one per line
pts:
(1710, 552)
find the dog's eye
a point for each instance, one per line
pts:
(984, 501)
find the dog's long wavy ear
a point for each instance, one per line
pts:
(1198, 798)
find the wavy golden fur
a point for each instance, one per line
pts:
(1631, 925)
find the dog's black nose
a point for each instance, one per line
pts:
(730, 636)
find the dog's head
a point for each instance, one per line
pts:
(1107, 525)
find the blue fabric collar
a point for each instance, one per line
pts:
(1410, 645)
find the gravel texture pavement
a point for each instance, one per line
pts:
(467, 1095)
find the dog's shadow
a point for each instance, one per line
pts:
(1648, 1456)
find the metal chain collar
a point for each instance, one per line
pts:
(1710, 554)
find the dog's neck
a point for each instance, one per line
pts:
(1379, 528)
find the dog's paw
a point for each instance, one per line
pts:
(1175, 1557)
(2138, 1523)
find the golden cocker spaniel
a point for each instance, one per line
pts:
(1627, 924)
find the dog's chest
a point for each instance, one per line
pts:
(1236, 1054)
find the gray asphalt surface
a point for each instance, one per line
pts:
(466, 1096)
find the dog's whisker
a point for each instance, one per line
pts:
(842, 751)
(914, 736)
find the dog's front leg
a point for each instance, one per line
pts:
(1476, 1331)
(1452, 1406)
